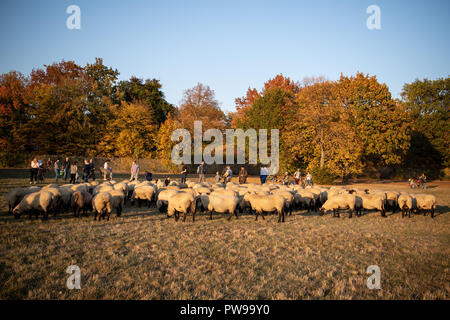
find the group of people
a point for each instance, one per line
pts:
(63, 170)
(421, 182)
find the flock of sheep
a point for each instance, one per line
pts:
(188, 198)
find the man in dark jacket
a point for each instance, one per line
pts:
(66, 165)
(243, 176)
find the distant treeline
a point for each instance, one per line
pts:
(341, 128)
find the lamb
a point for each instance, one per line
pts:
(342, 201)
(144, 193)
(181, 202)
(81, 201)
(425, 202)
(101, 204)
(405, 203)
(369, 202)
(269, 203)
(117, 201)
(222, 204)
(40, 201)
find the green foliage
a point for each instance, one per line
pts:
(323, 176)
(428, 103)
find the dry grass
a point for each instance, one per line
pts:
(144, 255)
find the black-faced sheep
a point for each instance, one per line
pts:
(341, 201)
(34, 203)
(101, 204)
(81, 202)
(405, 203)
(181, 202)
(266, 203)
(425, 202)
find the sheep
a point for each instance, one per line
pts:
(163, 198)
(117, 201)
(144, 193)
(181, 202)
(222, 204)
(405, 203)
(392, 200)
(225, 192)
(14, 196)
(369, 202)
(101, 204)
(56, 200)
(288, 197)
(81, 201)
(66, 197)
(34, 202)
(202, 190)
(342, 201)
(266, 203)
(306, 202)
(425, 202)
(101, 188)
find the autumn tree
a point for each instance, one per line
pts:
(131, 132)
(319, 134)
(13, 114)
(379, 122)
(164, 142)
(199, 104)
(147, 92)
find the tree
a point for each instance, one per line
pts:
(319, 135)
(12, 114)
(380, 123)
(146, 92)
(427, 102)
(131, 132)
(164, 142)
(199, 104)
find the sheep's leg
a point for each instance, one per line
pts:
(210, 215)
(236, 214)
(139, 203)
(95, 216)
(432, 212)
(350, 214)
(193, 216)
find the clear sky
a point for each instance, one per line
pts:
(231, 45)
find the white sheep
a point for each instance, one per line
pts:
(143, 193)
(341, 201)
(405, 203)
(181, 202)
(425, 202)
(81, 201)
(369, 202)
(266, 203)
(101, 204)
(163, 198)
(222, 204)
(36, 202)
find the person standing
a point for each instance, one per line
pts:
(423, 180)
(66, 166)
(183, 173)
(73, 172)
(92, 168)
(57, 168)
(107, 170)
(308, 179)
(201, 172)
(134, 171)
(243, 176)
(34, 170)
(217, 177)
(297, 176)
(86, 170)
(263, 174)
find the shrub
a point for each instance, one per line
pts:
(323, 176)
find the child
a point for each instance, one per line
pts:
(217, 177)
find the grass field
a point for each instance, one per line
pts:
(144, 255)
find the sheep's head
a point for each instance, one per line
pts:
(16, 212)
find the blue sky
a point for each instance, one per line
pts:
(232, 45)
